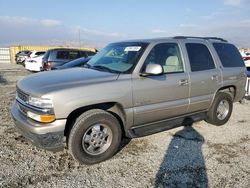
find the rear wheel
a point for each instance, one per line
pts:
(221, 109)
(94, 137)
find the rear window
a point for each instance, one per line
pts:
(229, 55)
(68, 55)
(46, 55)
(39, 53)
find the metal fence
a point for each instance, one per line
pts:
(5, 55)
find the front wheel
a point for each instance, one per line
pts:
(94, 137)
(221, 109)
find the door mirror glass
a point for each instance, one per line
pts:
(153, 69)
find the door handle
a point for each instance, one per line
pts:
(215, 77)
(183, 82)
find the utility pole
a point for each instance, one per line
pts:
(79, 37)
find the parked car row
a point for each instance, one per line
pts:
(22, 56)
(53, 59)
(246, 58)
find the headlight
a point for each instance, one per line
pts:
(40, 102)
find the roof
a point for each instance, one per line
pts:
(177, 38)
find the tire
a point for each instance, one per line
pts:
(88, 141)
(223, 102)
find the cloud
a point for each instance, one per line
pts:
(188, 25)
(214, 15)
(100, 33)
(233, 2)
(29, 31)
(236, 32)
(23, 21)
(236, 2)
(20, 29)
(159, 31)
(51, 23)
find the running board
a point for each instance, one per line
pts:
(152, 128)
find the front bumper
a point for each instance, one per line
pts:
(47, 136)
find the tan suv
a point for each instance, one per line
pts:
(130, 89)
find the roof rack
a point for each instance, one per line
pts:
(205, 38)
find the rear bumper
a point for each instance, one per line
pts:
(33, 67)
(46, 136)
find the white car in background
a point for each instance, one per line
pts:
(246, 59)
(34, 64)
(22, 56)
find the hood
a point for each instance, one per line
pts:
(45, 82)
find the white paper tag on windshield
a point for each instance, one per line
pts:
(132, 48)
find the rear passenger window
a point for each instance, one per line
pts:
(229, 55)
(62, 55)
(199, 57)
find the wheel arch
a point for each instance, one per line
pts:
(230, 89)
(116, 109)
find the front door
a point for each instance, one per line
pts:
(163, 96)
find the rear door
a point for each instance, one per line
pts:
(163, 96)
(205, 75)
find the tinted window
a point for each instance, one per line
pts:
(46, 55)
(39, 53)
(74, 54)
(24, 53)
(229, 55)
(91, 53)
(199, 57)
(62, 55)
(167, 55)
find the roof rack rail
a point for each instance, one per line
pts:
(205, 38)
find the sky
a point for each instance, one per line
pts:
(96, 23)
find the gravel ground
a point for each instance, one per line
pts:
(199, 156)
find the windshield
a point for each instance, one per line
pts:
(118, 57)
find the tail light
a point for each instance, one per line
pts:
(48, 65)
(246, 58)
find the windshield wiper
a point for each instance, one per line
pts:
(104, 68)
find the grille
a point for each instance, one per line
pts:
(22, 109)
(23, 96)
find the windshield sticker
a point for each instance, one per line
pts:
(132, 48)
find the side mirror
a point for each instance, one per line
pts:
(153, 69)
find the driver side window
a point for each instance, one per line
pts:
(168, 56)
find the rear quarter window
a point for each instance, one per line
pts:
(229, 55)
